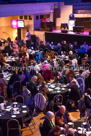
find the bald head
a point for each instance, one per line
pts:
(70, 132)
(62, 109)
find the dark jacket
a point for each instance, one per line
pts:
(75, 93)
(46, 127)
(32, 87)
(87, 101)
(88, 84)
(14, 77)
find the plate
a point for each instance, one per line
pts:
(24, 106)
(84, 123)
(58, 91)
(7, 109)
(63, 88)
(52, 86)
(16, 112)
(24, 111)
(15, 102)
(57, 88)
(80, 128)
(70, 123)
(13, 116)
(50, 89)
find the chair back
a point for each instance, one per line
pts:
(40, 101)
(82, 84)
(1, 99)
(13, 128)
(16, 88)
(17, 84)
(41, 129)
(13, 123)
(20, 98)
(58, 99)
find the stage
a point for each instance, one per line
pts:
(70, 37)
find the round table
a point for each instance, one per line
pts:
(57, 88)
(13, 110)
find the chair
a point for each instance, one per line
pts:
(1, 132)
(20, 98)
(16, 88)
(41, 129)
(13, 128)
(40, 101)
(82, 84)
(1, 99)
(30, 120)
(57, 101)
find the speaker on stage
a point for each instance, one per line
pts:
(64, 31)
(89, 32)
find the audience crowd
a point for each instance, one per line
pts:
(35, 66)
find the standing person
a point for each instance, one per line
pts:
(28, 35)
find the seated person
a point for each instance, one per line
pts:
(56, 131)
(13, 78)
(85, 46)
(80, 74)
(61, 79)
(23, 49)
(48, 123)
(75, 93)
(31, 85)
(43, 89)
(62, 117)
(71, 78)
(88, 101)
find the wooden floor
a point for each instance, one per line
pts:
(26, 132)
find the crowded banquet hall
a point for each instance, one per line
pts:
(45, 67)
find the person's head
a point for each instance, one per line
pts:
(50, 115)
(62, 109)
(64, 42)
(73, 83)
(84, 43)
(84, 62)
(56, 130)
(70, 132)
(34, 79)
(27, 30)
(89, 91)
(71, 77)
(70, 46)
(75, 43)
(70, 52)
(59, 74)
(80, 71)
(24, 45)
